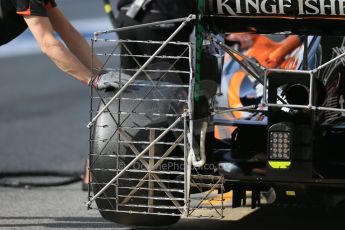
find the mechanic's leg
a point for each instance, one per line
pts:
(154, 34)
(123, 21)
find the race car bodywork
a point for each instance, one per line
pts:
(298, 132)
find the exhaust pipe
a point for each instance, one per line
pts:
(298, 94)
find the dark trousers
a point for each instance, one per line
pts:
(154, 34)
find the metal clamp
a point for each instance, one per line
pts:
(136, 7)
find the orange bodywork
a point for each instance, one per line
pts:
(269, 54)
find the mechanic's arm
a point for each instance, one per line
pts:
(72, 38)
(43, 32)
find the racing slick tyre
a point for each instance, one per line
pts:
(105, 138)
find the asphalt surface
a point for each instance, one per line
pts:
(43, 117)
(44, 112)
(63, 208)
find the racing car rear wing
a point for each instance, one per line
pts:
(318, 17)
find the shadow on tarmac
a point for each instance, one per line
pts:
(58, 222)
(272, 218)
(268, 218)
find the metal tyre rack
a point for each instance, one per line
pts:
(141, 133)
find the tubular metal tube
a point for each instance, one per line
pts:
(202, 160)
(311, 90)
(189, 18)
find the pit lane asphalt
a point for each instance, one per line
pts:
(63, 208)
(44, 112)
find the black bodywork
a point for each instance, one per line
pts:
(314, 173)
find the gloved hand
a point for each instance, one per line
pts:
(245, 40)
(110, 80)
